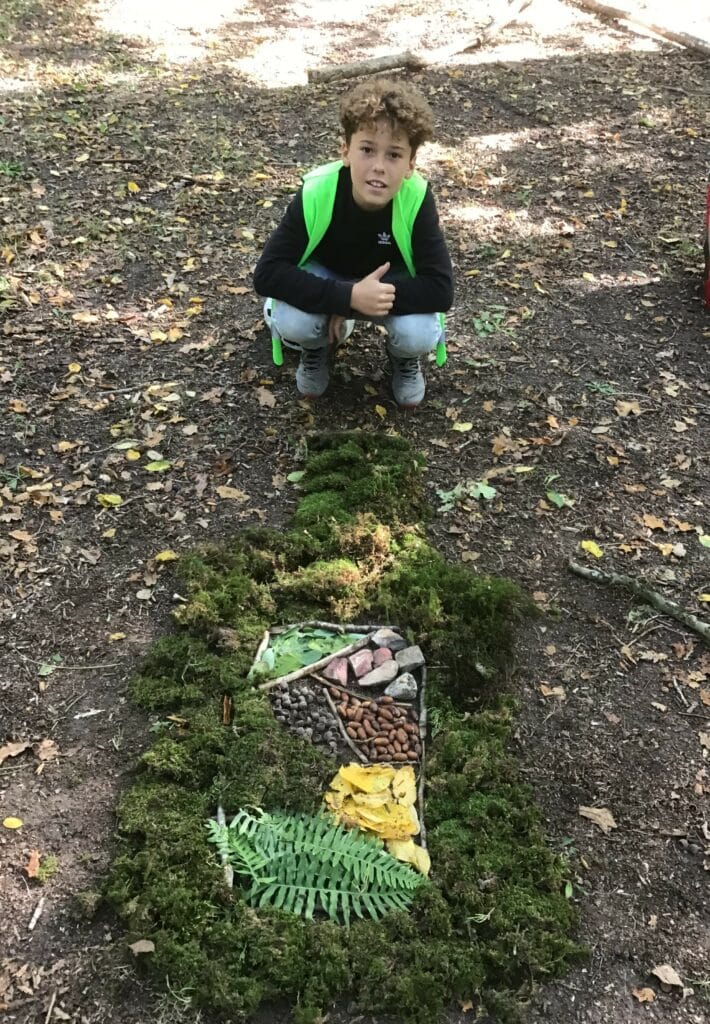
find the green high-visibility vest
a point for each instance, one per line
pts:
(319, 188)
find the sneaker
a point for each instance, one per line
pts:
(408, 385)
(312, 377)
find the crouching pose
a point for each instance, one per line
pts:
(361, 240)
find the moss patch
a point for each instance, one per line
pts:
(496, 918)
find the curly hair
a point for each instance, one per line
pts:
(401, 105)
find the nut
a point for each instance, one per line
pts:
(399, 757)
(351, 731)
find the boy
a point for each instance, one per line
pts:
(361, 240)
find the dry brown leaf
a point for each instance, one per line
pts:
(266, 398)
(653, 522)
(32, 865)
(667, 975)
(644, 995)
(13, 749)
(47, 750)
(553, 691)
(626, 408)
(141, 946)
(232, 493)
(601, 816)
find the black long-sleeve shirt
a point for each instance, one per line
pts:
(356, 243)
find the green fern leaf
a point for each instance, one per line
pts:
(300, 863)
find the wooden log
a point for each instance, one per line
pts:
(636, 20)
(373, 66)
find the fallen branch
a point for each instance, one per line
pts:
(358, 753)
(652, 597)
(416, 61)
(227, 867)
(619, 14)
(422, 741)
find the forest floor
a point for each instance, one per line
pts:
(144, 159)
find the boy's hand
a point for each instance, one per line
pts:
(335, 328)
(371, 296)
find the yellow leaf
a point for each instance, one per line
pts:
(82, 158)
(133, 455)
(381, 411)
(462, 428)
(601, 816)
(85, 317)
(158, 336)
(74, 367)
(109, 500)
(611, 245)
(471, 273)
(166, 556)
(407, 851)
(369, 780)
(133, 187)
(232, 493)
(174, 334)
(588, 277)
(12, 823)
(592, 548)
(113, 637)
(404, 787)
(109, 534)
(704, 597)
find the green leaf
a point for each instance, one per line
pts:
(560, 500)
(482, 490)
(704, 539)
(298, 474)
(159, 466)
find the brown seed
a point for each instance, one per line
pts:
(342, 708)
(357, 715)
(409, 727)
(380, 741)
(355, 702)
(413, 714)
(396, 746)
(334, 692)
(399, 757)
(386, 714)
(368, 704)
(403, 738)
(386, 700)
(351, 731)
(368, 727)
(411, 756)
(360, 732)
(417, 747)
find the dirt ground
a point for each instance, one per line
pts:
(144, 158)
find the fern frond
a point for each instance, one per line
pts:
(302, 864)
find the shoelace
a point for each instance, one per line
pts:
(312, 358)
(408, 368)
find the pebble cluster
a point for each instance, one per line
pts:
(381, 729)
(304, 710)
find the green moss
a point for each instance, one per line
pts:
(495, 917)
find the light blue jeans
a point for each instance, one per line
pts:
(413, 334)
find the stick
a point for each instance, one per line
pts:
(660, 603)
(417, 61)
(52, 1001)
(36, 916)
(321, 663)
(422, 741)
(357, 696)
(619, 14)
(262, 646)
(358, 753)
(227, 867)
(373, 66)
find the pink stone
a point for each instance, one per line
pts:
(336, 671)
(380, 655)
(361, 662)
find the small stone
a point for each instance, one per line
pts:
(361, 662)
(384, 673)
(388, 638)
(403, 688)
(381, 655)
(410, 658)
(336, 671)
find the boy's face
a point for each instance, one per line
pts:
(379, 159)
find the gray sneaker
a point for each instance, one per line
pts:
(408, 385)
(312, 377)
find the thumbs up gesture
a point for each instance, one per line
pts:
(371, 296)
